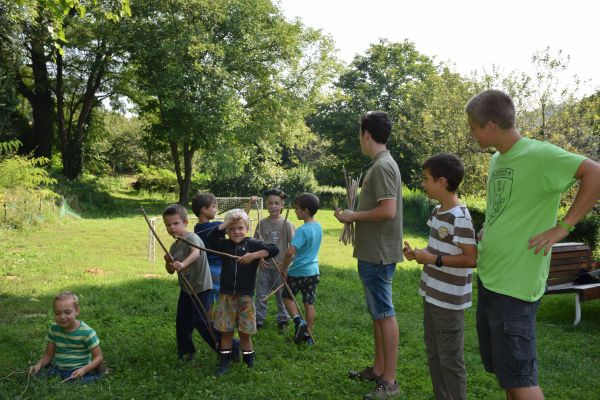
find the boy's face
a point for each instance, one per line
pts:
(275, 204)
(175, 225)
(301, 213)
(211, 211)
(483, 135)
(431, 185)
(237, 230)
(65, 314)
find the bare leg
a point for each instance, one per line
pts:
(245, 341)
(525, 393)
(386, 348)
(310, 315)
(291, 307)
(227, 340)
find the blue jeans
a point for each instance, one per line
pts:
(65, 373)
(377, 283)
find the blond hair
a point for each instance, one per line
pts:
(236, 213)
(67, 296)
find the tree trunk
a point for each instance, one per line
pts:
(183, 180)
(39, 96)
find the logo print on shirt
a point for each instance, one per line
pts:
(499, 190)
(442, 232)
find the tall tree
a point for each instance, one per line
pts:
(224, 78)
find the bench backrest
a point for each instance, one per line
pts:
(567, 259)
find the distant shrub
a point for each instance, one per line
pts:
(331, 196)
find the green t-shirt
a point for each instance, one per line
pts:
(524, 189)
(198, 272)
(377, 242)
(73, 349)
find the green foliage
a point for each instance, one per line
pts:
(162, 180)
(331, 196)
(298, 180)
(588, 232)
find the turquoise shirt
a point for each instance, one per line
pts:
(307, 242)
(73, 349)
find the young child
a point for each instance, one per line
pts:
(272, 230)
(192, 264)
(235, 308)
(446, 277)
(204, 206)
(73, 347)
(303, 274)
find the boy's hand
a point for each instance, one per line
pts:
(34, 369)
(247, 258)
(345, 216)
(78, 373)
(480, 235)
(409, 253)
(546, 239)
(178, 266)
(263, 264)
(424, 257)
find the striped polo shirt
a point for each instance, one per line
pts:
(73, 349)
(448, 287)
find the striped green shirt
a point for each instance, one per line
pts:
(73, 349)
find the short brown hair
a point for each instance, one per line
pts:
(176, 209)
(448, 166)
(201, 200)
(492, 105)
(308, 201)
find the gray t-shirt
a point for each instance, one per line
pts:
(273, 232)
(198, 272)
(377, 242)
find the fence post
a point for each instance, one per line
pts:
(40, 205)
(5, 217)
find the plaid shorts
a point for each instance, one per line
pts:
(235, 311)
(305, 284)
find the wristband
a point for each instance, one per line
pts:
(565, 225)
(438, 261)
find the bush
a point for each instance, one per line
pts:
(298, 180)
(331, 196)
(156, 179)
(588, 232)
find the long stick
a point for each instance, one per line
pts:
(287, 287)
(207, 250)
(199, 306)
(273, 292)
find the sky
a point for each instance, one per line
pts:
(469, 34)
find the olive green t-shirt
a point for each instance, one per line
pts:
(198, 272)
(523, 195)
(380, 242)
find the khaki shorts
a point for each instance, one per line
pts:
(235, 311)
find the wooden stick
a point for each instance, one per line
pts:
(273, 292)
(199, 307)
(207, 250)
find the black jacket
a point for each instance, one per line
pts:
(238, 279)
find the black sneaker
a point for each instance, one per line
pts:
(302, 328)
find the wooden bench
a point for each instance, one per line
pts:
(566, 261)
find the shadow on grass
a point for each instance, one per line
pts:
(135, 323)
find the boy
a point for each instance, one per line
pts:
(73, 347)
(272, 230)
(446, 277)
(235, 308)
(303, 274)
(204, 206)
(192, 265)
(377, 248)
(525, 182)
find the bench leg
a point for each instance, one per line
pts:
(577, 310)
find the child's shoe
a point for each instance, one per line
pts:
(300, 329)
(384, 390)
(224, 362)
(249, 358)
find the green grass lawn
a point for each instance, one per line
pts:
(131, 304)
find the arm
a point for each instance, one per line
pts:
(182, 265)
(97, 358)
(385, 211)
(287, 260)
(587, 196)
(467, 259)
(250, 203)
(249, 257)
(45, 360)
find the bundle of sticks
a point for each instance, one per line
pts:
(352, 185)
